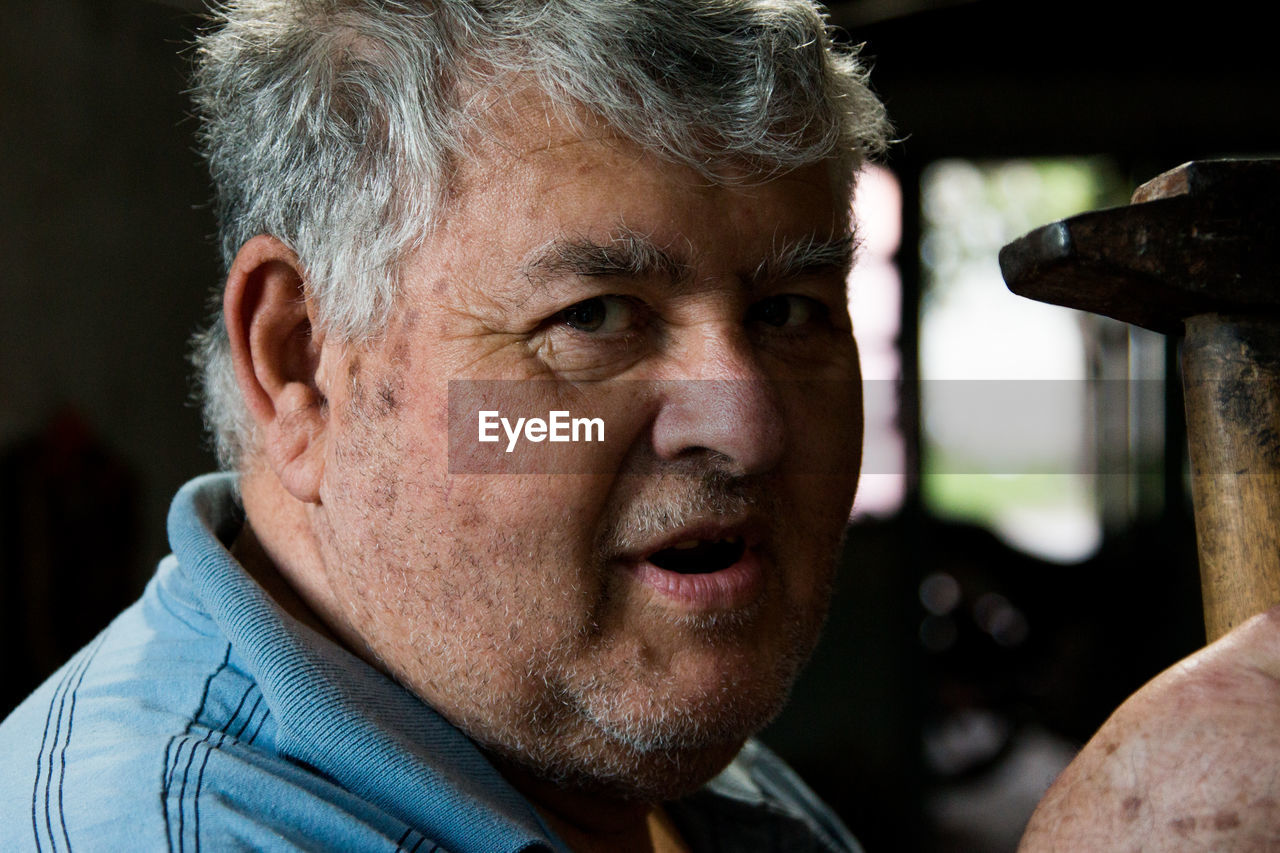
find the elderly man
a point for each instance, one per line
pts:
(430, 613)
(378, 636)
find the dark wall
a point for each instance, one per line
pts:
(1013, 78)
(106, 263)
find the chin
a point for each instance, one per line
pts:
(629, 775)
(651, 749)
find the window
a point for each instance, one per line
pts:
(1003, 387)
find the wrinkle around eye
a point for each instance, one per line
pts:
(799, 329)
(576, 361)
(589, 346)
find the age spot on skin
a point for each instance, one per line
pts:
(389, 386)
(1130, 807)
(353, 380)
(1223, 821)
(386, 398)
(400, 352)
(1184, 826)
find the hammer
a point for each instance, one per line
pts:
(1196, 253)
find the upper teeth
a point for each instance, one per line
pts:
(686, 544)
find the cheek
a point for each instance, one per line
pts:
(544, 523)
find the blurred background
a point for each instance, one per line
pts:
(1022, 553)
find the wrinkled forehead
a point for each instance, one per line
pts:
(517, 125)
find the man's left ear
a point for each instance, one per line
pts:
(277, 355)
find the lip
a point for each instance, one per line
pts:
(730, 588)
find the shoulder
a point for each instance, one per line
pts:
(759, 803)
(157, 721)
(90, 742)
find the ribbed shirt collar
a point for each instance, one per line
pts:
(337, 714)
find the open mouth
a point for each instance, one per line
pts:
(700, 556)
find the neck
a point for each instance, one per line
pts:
(597, 823)
(278, 551)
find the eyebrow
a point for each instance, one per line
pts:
(808, 256)
(631, 254)
(628, 254)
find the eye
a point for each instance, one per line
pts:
(787, 310)
(600, 315)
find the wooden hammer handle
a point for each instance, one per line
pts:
(1231, 378)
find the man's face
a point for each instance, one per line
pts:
(625, 620)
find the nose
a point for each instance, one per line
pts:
(722, 404)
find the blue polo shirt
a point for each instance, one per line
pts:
(206, 717)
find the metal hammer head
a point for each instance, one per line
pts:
(1201, 238)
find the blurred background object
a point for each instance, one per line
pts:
(1021, 556)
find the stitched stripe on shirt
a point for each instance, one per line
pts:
(222, 737)
(409, 833)
(44, 739)
(62, 756)
(172, 760)
(182, 792)
(258, 728)
(76, 666)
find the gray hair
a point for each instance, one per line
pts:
(333, 124)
